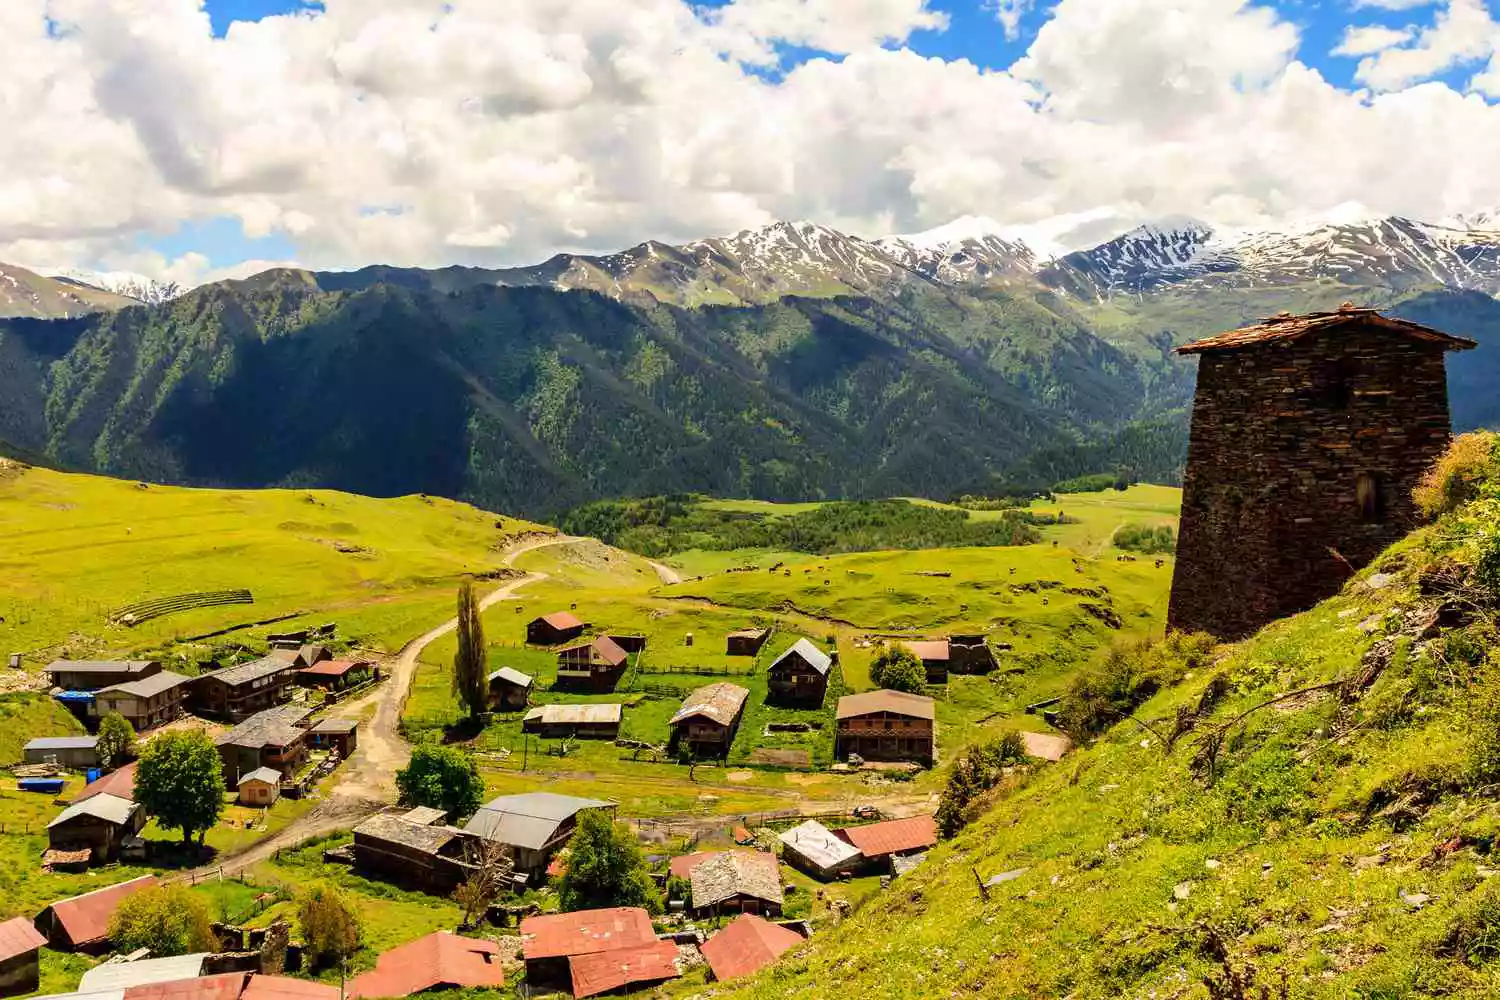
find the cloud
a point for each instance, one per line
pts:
(1009, 14)
(420, 133)
(1462, 33)
(1395, 4)
(1364, 41)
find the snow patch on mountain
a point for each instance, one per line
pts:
(127, 283)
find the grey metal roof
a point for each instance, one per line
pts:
(719, 702)
(815, 657)
(143, 972)
(816, 843)
(110, 808)
(149, 687)
(563, 715)
(100, 666)
(511, 676)
(266, 666)
(336, 726)
(529, 820)
(269, 775)
(63, 743)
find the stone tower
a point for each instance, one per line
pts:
(1308, 435)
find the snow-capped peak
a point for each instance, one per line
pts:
(127, 283)
(961, 230)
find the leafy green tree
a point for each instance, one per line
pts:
(116, 739)
(469, 662)
(978, 769)
(898, 669)
(329, 919)
(443, 777)
(168, 920)
(180, 781)
(605, 867)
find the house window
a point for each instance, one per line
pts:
(1367, 496)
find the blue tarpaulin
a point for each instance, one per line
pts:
(49, 785)
(74, 695)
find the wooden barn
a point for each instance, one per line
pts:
(341, 735)
(146, 703)
(935, 656)
(76, 752)
(595, 721)
(415, 849)
(336, 675)
(235, 693)
(813, 848)
(533, 825)
(736, 882)
(91, 675)
(20, 957)
(100, 823)
(509, 690)
(708, 719)
(549, 630)
(592, 666)
(746, 642)
(799, 676)
(886, 726)
(260, 788)
(271, 739)
(81, 923)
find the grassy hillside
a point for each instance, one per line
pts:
(1311, 813)
(78, 547)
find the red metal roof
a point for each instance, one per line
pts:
(440, 959)
(1288, 327)
(562, 620)
(287, 988)
(17, 937)
(226, 986)
(335, 668)
(119, 783)
(928, 649)
(610, 970)
(893, 836)
(747, 945)
(585, 932)
(85, 919)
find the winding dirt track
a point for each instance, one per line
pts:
(367, 783)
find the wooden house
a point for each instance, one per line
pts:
(533, 825)
(335, 675)
(631, 642)
(813, 848)
(746, 642)
(260, 788)
(267, 739)
(146, 703)
(91, 675)
(970, 654)
(708, 719)
(99, 823)
(20, 957)
(799, 676)
(592, 666)
(81, 923)
(236, 693)
(881, 843)
(549, 630)
(886, 726)
(590, 721)
(935, 655)
(736, 882)
(415, 849)
(509, 690)
(341, 735)
(75, 752)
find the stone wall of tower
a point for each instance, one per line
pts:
(1283, 434)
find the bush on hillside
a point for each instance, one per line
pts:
(1458, 475)
(1146, 539)
(975, 771)
(898, 669)
(167, 920)
(1473, 933)
(1101, 696)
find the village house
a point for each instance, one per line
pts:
(235, 693)
(267, 739)
(534, 825)
(631, 642)
(814, 849)
(746, 642)
(1308, 435)
(415, 849)
(881, 843)
(708, 719)
(585, 721)
(934, 656)
(335, 675)
(261, 787)
(736, 882)
(146, 703)
(799, 676)
(440, 961)
(303, 657)
(970, 654)
(100, 823)
(74, 752)
(20, 960)
(81, 923)
(549, 630)
(341, 735)
(91, 675)
(592, 666)
(509, 690)
(590, 952)
(886, 726)
(119, 783)
(746, 946)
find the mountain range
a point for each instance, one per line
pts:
(788, 361)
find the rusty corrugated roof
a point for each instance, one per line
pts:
(604, 971)
(225, 986)
(1289, 327)
(895, 836)
(585, 932)
(85, 919)
(928, 649)
(119, 783)
(17, 937)
(439, 959)
(747, 945)
(286, 988)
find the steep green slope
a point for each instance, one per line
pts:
(1311, 813)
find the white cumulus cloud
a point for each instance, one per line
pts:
(1462, 33)
(1364, 41)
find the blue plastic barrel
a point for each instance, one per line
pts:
(93, 775)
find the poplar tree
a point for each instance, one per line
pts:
(469, 661)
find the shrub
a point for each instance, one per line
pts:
(605, 867)
(442, 777)
(330, 924)
(1146, 539)
(975, 771)
(116, 739)
(1100, 697)
(169, 920)
(1484, 727)
(1459, 473)
(897, 668)
(1473, 933)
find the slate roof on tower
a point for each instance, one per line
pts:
(1288, 327)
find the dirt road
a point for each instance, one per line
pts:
(367, 782)
(667, 574)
